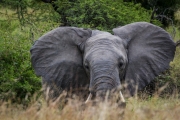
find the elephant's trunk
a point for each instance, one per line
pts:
(101, 94)
(104, 77)
(102, 85)
(104, 82)
(104, 94)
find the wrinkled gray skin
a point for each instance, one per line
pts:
(72, 58)
(105, 59)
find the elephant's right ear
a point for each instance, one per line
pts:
(150, 50)
(56, 56)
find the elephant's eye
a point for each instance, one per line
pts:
(86, 66)
(120, 64)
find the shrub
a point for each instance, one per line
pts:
(102, 14)
(18, 81)
(16, 76)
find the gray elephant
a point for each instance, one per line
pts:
(73, 58)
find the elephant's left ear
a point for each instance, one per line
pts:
(58, 58)
(150, 50)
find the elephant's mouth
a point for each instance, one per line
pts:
(102, 94)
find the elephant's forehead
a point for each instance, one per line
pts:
(102, 38)
(104, 44)
(98, 32)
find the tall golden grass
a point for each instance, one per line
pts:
(154, 108)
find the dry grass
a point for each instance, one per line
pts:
(136, 109)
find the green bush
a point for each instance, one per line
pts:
(18, 81)
(101, 14)
(16, 76)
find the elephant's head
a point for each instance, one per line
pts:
(105, 60)
(70, 57)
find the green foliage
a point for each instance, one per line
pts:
(175, 76)
(16, 76)
(102, 14)
(30, 11)
(164, 9)
(18, 81)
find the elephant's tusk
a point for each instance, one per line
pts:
(121, 96)
(89, 97)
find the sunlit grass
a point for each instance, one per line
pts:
(136, 109)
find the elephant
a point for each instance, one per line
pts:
(70, 58)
